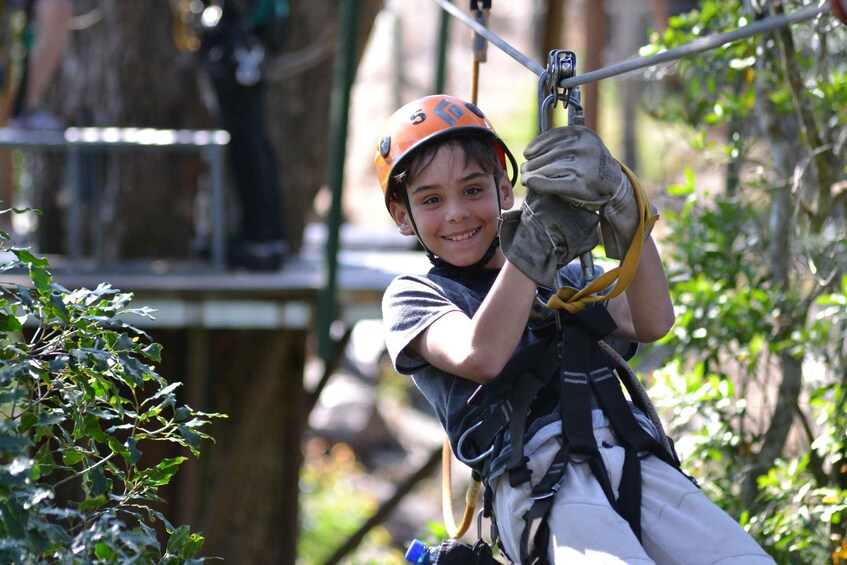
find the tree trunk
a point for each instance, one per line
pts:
(595, 43)
(125, 70)
(783, 151)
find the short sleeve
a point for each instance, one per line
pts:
(409, 306)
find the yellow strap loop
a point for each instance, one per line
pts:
(454, 531)
(574, 300)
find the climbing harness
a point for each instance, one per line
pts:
(586, 368)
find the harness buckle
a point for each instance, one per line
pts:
(557, 470)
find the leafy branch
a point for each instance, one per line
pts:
(80, 399)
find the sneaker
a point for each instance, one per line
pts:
(37, 120)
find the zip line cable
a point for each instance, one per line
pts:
(450, 8)
(697, 46)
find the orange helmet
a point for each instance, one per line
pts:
(423, 120)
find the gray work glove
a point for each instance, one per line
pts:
(545, 234)
(573, 163)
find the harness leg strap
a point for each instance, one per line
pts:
(535, 538)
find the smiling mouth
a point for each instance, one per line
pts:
(462, 236)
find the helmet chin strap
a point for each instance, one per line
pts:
(438, 261)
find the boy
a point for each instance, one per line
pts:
(443, 171)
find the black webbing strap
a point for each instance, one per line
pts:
(575, 393)
(634, 440)
(583, 369)
(535, 537)
(517, 469)
(629, 491)
(578, 355)
(502, 398)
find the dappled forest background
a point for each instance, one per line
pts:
(742, 148)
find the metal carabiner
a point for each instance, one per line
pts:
(561, 65)
(544, 112)
(471, 461)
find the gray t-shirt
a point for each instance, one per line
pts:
(413, 302)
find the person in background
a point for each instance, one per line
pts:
(45, 37)
(236, 38)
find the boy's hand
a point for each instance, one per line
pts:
(545, 234)
(573, 163)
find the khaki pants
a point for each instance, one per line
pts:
(679, 524)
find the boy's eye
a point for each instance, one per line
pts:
(473, 190)
(430, 200)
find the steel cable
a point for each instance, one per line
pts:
(697, 46)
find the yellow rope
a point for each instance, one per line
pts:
(574, 300)
(453, 530)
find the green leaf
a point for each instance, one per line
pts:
(27, 421)
(99, 483)
(123, 343)
(41, 279)
(161, 474)
(13, 444)
(185, 544)
(24, 256)
(44, 460)
(14, 519)
(58, 363)
(178, 539)
(92, 503)
(134, 452)
(91, 428)
(9, 323)
(104, 552)
(24, 295)
(192, 438)
(133, 369)
(72, 456)
(166, 392)
(153, 352)
(10, 396)
(59, 308)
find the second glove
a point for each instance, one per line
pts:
(573, 163)
(545, 234)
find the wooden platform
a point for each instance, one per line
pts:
(195, 294)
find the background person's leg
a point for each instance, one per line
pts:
(50, 19)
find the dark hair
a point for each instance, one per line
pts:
(478, 149)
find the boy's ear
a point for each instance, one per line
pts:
(507, 192)
(401, 217)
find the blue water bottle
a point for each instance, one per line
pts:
(420, 554)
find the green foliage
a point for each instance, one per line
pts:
(334, 507)
(759, 278)
(80, 400)
(727, 318)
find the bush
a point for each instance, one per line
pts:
(79, 399)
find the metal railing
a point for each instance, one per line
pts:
(76, 141)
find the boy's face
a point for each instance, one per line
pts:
(455, 208)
